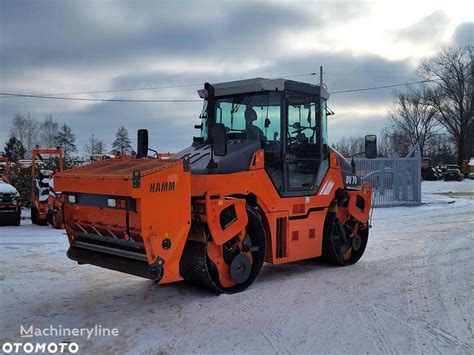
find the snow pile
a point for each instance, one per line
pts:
(7, 188)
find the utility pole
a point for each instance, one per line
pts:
(321, 76)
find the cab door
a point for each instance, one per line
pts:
(305, 166)
(303, 144)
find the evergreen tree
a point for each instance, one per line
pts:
(66, 140)
(122, 142)
(94, 146)
(14, 149)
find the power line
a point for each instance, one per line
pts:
(368, 76)
(6, 94)
(122, 90)
(96, 100)
(294, 76)
(138, 89)
(380, 87)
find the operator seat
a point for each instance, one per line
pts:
(253, 132)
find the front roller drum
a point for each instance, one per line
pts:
(344, 244)
(197, 267)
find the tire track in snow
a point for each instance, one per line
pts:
(277, 341)
(448, 339)
(418, 304)
(274, 338)
(371, 320)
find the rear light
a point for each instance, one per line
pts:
(121, 203)
(117, 203)
(71, 198)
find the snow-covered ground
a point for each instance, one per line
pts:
(412, 292)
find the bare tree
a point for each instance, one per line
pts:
(48, 131)
(26, 130)
(440, 149)
(94, 146)
(451, 73)
(384, 144)
(349, 146)
(395, 142)
(412, 120)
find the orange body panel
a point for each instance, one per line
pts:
(214, 207)
(154, 220)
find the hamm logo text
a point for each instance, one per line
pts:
(162, 186)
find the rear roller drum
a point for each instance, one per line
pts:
(229, 268)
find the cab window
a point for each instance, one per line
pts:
(303, 148)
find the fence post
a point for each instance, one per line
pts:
(418, 175)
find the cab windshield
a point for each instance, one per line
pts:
(249, 116)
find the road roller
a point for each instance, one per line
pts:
(258, 184)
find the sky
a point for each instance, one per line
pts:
(50, 47)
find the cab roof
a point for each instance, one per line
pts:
(263, 84)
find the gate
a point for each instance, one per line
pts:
(396, 181)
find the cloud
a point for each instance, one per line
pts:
(426, 29)
(464, 34)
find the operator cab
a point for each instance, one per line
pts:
(286, 118)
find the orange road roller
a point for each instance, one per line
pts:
(258, 184)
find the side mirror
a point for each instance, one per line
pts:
(218, 139)
(267, 122)
(142, 143)
(371, 146)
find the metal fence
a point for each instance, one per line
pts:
(396, 181)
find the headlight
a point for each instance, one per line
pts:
(15, 202)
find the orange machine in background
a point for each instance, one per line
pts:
(5, 169)
(46, 206)
(259, 184)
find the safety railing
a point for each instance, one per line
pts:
(396, 181)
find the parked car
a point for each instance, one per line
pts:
(10, 205)
(453, 174)
(446, 167)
